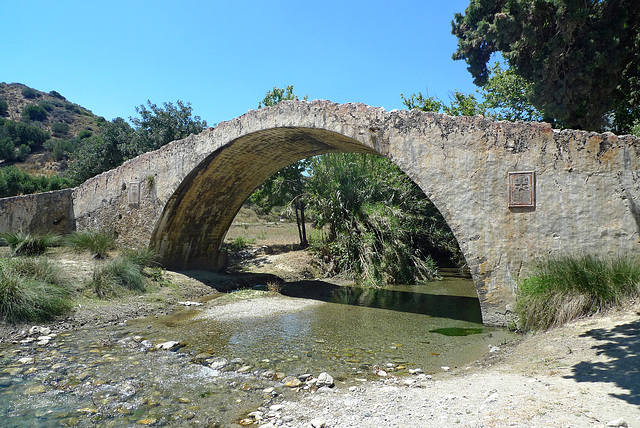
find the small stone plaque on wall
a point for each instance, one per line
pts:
(522, 189)
(134, 194)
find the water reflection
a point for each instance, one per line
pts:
(454, 297)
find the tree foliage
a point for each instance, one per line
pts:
(14, 182)
(18, 139)
(505, 96)
(381, 226)
(580, 58)
(117, 141)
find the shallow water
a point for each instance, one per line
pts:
(105, 377)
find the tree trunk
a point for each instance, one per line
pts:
(300, 221)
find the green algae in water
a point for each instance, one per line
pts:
(456, 331)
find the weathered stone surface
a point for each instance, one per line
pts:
(50, 212)
(182, 198)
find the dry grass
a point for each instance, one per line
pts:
(279, 234)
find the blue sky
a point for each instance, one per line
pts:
(223, 56)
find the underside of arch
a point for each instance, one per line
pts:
(192, 227)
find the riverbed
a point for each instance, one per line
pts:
(232, 355)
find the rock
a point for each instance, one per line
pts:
(415, 371)
(26, 360)
(292, 382)
(617, 423)
(37, 330)
(324, 390)
(381, 373)
(202, 357)
(324, 379)
(317, 423)
(445, 368)
(244, 369)
(188, 303)
(217, 363)
(170, 345)
(304, 377)
(276, 407)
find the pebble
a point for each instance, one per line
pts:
(292, 383)
(170, 345)
(324, 379)
(318, 423)
(445, 368)
(38, 330)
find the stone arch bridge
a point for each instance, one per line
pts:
(511, 192)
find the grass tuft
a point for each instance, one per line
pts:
(31, 290)
(562, 289)
(117, 276)
(97, 242)
(25, 244)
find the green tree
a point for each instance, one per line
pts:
(102, 152)
(117, 141)
(287, 186)
(381, 227)
(579, 57)
(461, 104)
(505, 96)
(34, 112)
(157, 126)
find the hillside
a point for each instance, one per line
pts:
(61, 120)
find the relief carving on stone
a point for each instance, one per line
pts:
(522, 189)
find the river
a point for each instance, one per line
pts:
(226, 367)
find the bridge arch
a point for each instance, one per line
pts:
(584, 187)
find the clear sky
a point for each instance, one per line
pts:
(223, 56)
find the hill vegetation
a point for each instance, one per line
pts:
(48, 143)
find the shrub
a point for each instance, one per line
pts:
(60, 128)
(31, 291)
(23, 152)
(4, 107)
(61, 148)
(29, 93)
(97, 242)
(47, 105)
(34, 112)
(56, 94)
(14, 182)
(116, 276)
(562, 289)
(25, 244)
(85, 133)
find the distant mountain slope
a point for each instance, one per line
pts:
(50, 112)
(58, 109)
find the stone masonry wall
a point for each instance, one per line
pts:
(50, 212)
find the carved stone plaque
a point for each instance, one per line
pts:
(522, 189)
(134, 194)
